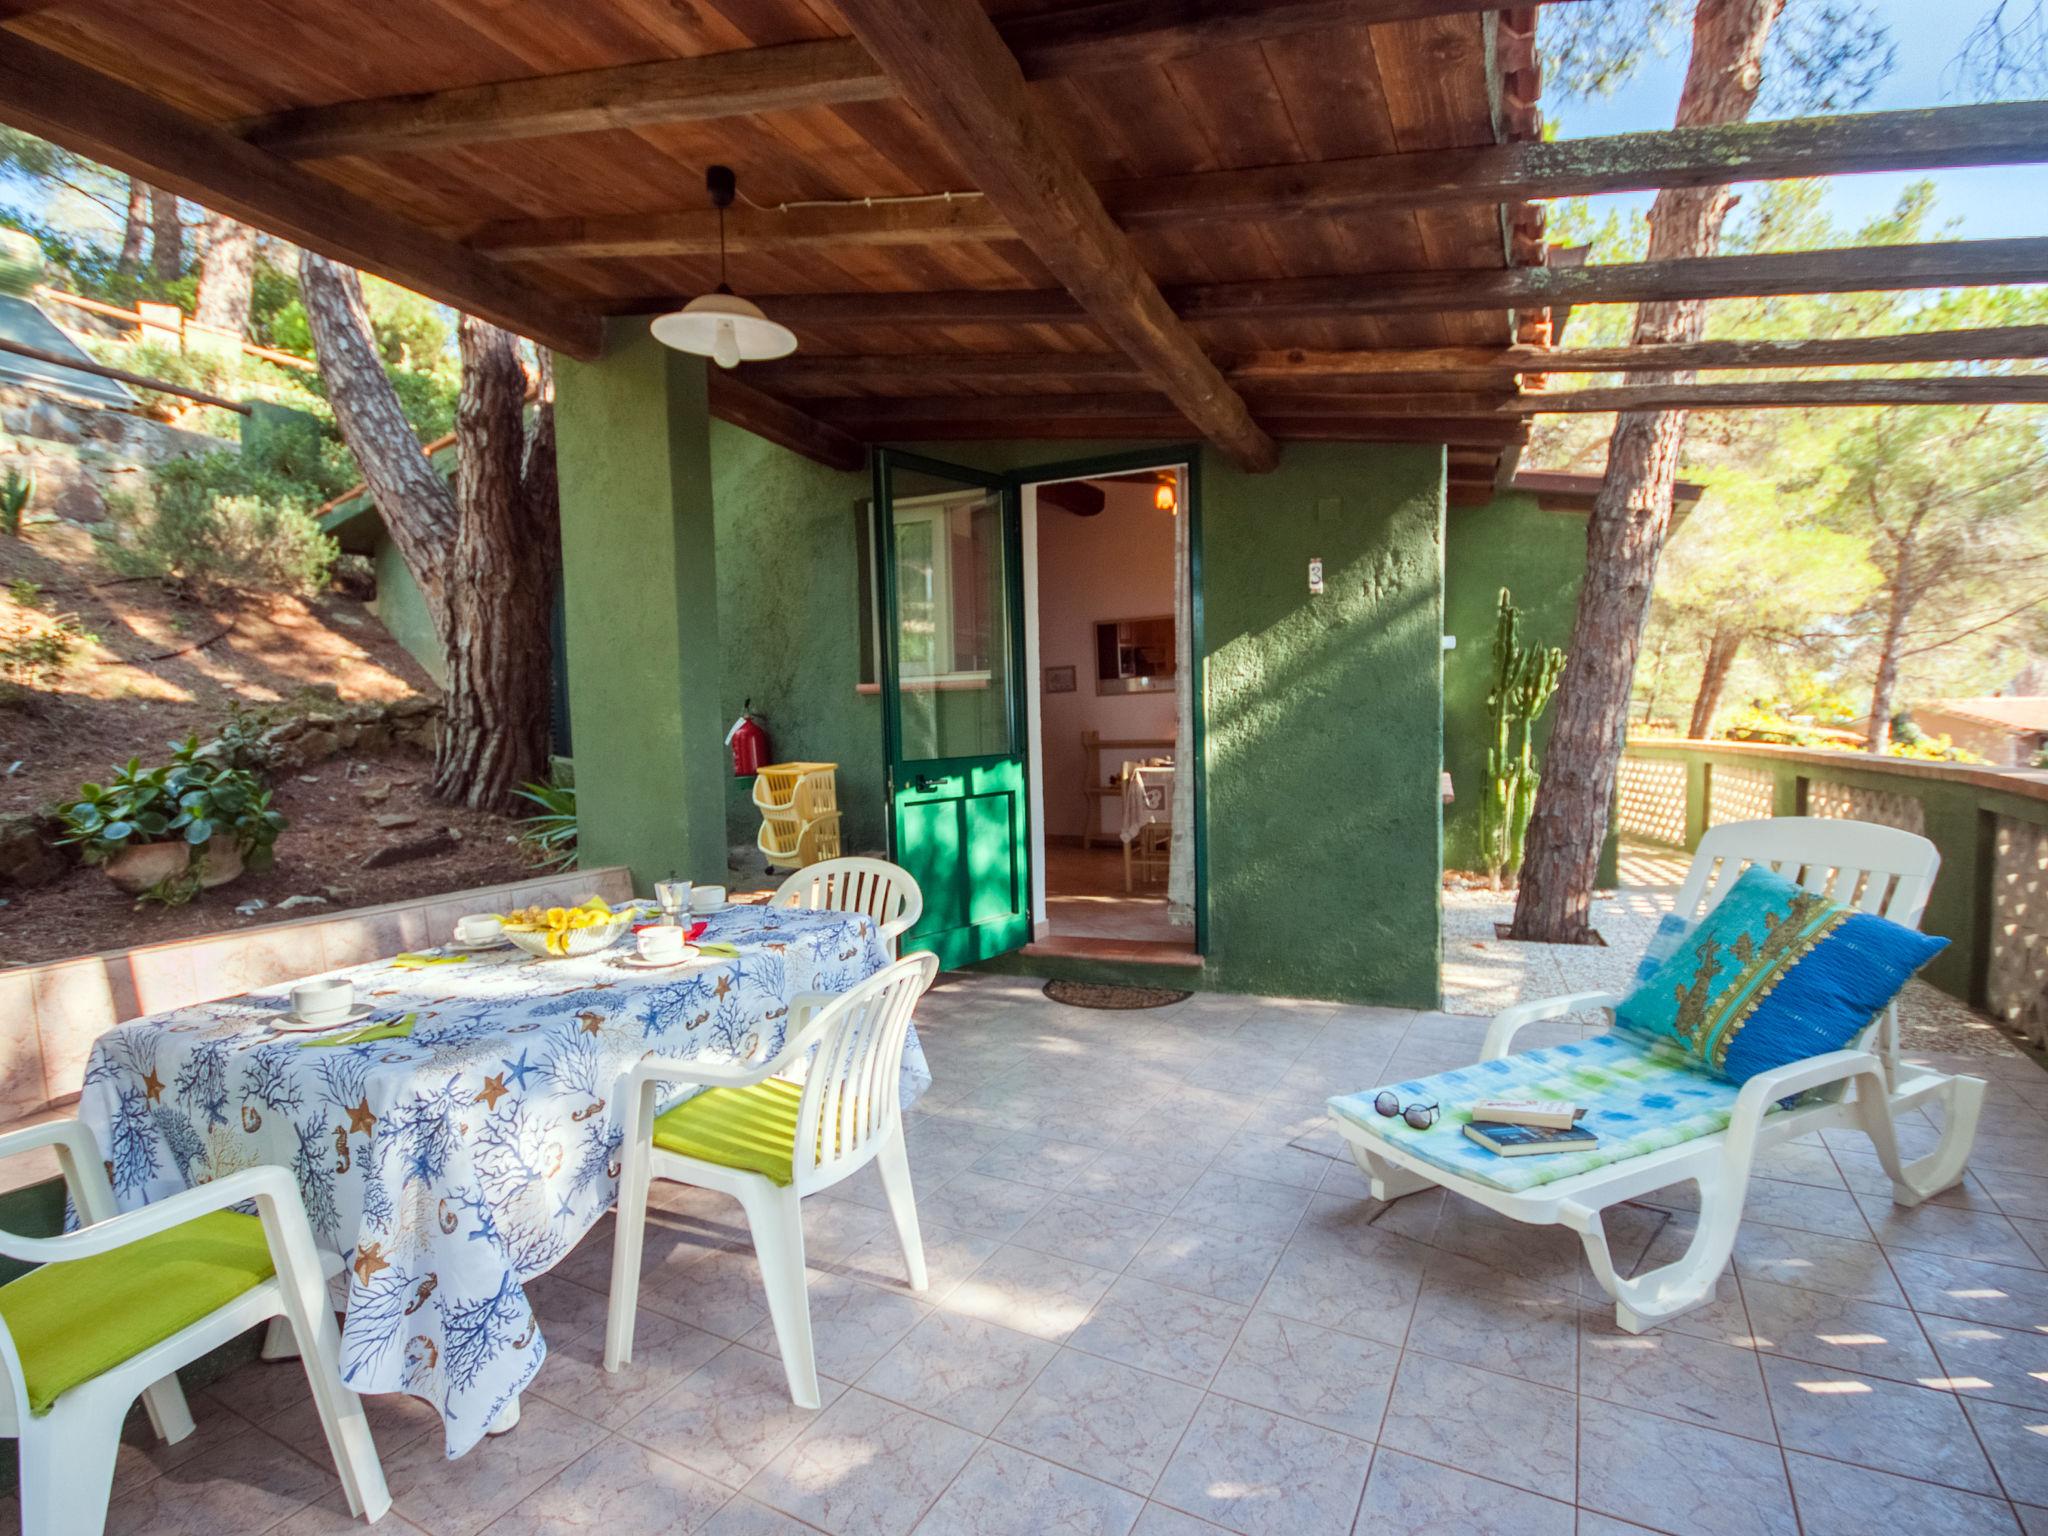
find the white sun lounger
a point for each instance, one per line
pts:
(1873, 868)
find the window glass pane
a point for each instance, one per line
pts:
(952, 621)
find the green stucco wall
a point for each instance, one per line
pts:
(1323, 717)
(789, 622)
(1539, 557)
(402, 608)
(640, 593)
(1324, 828)
(1323, 712)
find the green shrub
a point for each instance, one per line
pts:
(550, 837)
(218, 523)
(15, 491)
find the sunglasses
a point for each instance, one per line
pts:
(1419, 1116)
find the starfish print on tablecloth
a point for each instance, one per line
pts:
(494, 1089)
(369, 1260)
(361, 1117)
(153, 1086)
(592, 1022)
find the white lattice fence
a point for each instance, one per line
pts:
(1737, 794)
(2017, 979)
(1652, 799)
(1850, 802)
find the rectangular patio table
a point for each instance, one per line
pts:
(449, 1167)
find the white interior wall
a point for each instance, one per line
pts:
(1081, 571)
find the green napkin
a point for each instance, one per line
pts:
(412, 962)
(391, 1029)
(719, 951)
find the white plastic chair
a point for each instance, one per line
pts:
(1875, 869)
(881, 890)
(67, 1453)
(848, 1051)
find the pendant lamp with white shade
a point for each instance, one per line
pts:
(721, 325)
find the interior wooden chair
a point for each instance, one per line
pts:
(881, 890)
(768, 1134)
(117, 1306)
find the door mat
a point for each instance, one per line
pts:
(1094, 994)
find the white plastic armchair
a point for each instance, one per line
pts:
(848, 1051)
(67, 1452)
(1881, 870)
(875, 887)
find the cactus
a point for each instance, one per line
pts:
(15, 491)
(1524, 678)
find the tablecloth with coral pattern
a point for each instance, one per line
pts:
(451, 1166)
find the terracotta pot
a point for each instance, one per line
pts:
(135, 869)
(223, 863)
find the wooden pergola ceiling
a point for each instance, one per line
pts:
(1288, 219)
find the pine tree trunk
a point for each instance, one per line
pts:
(1631, 516)
(1720, 661)
(167, 236)
(499, 588)
(416, 504)
(483, 555)
(227, 273)
(1885, 690)
(134, 227)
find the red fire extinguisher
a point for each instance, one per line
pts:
(748, 740)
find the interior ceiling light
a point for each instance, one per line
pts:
(1163, 495)
(721, 325)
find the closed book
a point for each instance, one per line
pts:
(1556, 1113)
(1530, 1140)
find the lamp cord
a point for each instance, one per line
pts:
(861, 202)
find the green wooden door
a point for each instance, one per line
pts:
(952, 702)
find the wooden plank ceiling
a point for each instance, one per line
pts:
(1311, 86)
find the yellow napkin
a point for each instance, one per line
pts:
(412, 962)
(719, 951)
(392, 1029)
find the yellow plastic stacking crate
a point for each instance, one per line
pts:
(799, 806)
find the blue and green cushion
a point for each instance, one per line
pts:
(1640, 1096)
(79, 1318)
(1772, 975)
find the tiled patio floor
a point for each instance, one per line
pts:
(1159, 1303)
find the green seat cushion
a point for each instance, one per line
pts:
(1640, 1096)
(752, 1128)
(78, 1319)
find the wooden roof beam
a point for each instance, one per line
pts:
(49, 95)
(1931, 139)
(952, 66)
(1956, 389)
(735, 401)
(694, 231)
(815, 374)
(1112, 34)
(1851, 269)
(2002, 134)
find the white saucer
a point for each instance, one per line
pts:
(501, 942)
(291, 1023)
(688, 954)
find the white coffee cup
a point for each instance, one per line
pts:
(479, 928)
(659, 941)
(325, 1001)
(707, 898)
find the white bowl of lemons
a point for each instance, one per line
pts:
(565, 933)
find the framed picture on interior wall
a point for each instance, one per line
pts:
(1059, 680)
